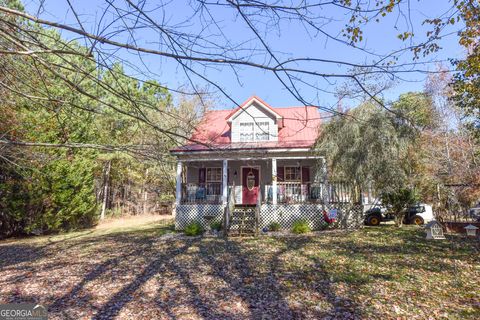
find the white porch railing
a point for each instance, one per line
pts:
(297, 192)
(287, 193)
(210, 192)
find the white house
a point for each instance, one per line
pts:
(256, 156)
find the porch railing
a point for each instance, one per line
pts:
(297, 192)
(287, 192)
(210, 192)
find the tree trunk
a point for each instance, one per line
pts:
(105, 189)
(145, 194)
(399, 216)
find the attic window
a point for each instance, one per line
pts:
(261, 131)
(246, 131)
(254, 131)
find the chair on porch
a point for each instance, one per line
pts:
(201, 193)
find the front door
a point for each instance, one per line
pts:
(250, 185)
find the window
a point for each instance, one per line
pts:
(214, 182)
(246, 131)
(292, 174)
(262, 132)
(214, 174)
(254, 131)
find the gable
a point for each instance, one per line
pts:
(254, 123)
(258, 104)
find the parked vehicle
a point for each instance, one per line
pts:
(474, 212)
(417, 214)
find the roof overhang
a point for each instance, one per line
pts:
(240, 150)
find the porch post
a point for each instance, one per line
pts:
(178, 194)
(274, 180)
(224, 181)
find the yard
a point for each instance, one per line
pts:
(145, 270)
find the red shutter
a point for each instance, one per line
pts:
(202, 175)
(305, 174)
(280, 174)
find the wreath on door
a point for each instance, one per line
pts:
(250, 181)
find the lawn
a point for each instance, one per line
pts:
(145, 270)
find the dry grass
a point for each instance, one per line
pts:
(148, 271)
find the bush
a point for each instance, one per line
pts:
(216, 225)
(274, 226)
(300, 226)
(193, 229)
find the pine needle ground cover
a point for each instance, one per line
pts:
(149, 271)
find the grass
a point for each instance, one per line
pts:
(147, 270)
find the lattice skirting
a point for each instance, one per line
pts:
(188, 213)
(348, 215)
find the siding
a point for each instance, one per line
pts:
(254, 112)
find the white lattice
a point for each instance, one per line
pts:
(188, 213)
(348, 215)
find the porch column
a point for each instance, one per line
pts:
(178, 194)
(274, 180)
(224, 181)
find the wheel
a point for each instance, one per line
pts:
(417, 220)
(373, 220)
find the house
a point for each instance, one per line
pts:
(256, 156)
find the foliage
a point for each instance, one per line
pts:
(216, 225)
(56, 189)
(448, 172)
(370, 145)
(397, 201)
(301, 226)
(193, 229)
(418, 108)
(466, 82)
(274, 226)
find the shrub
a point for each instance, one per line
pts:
(216, 225)
(274, 226)
(193, 229)
(300, 226)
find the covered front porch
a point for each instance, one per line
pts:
(268, 180)
(282, 187)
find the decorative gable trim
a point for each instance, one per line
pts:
(265, 106)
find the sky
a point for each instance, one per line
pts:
(288, 39)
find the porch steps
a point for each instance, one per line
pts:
(242, 221)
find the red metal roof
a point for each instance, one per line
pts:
(300, 130)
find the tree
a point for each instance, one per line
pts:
(374, 147)
(398, 201)
(54, 149)
(466, 82)
(450, 173)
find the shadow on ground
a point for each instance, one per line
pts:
(157, 273)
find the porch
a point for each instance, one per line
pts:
(283, 190)
(276, 180)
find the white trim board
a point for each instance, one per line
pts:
(250, 158)
(258, 151)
